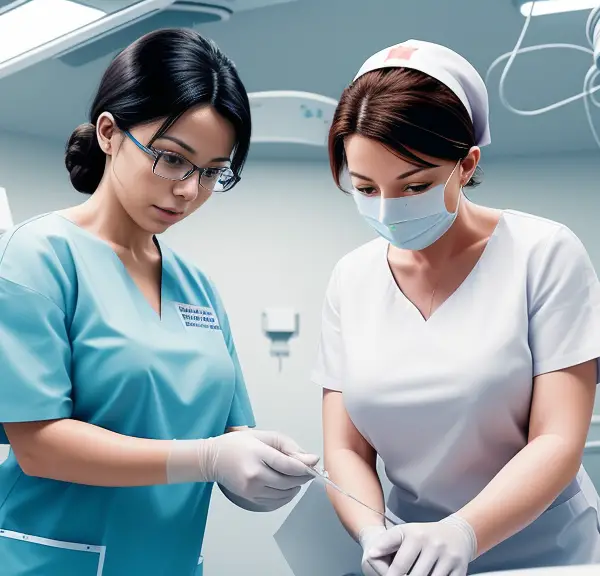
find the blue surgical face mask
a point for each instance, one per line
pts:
(410, 222)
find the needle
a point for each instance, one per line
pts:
(322, 475)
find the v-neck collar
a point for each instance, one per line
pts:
(468, 278)
(152, 312)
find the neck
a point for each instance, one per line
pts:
(466, 230)
(104, 215)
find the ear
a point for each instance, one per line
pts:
(469, 164)
(106, 131)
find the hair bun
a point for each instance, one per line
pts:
(84, 159)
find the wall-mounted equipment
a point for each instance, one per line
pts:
(589, 95)
(280, 325)
(6, 219)
(291, 117)
(81, 31)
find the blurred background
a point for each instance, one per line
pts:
(273, 240)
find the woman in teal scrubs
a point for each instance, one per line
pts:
(118, 373)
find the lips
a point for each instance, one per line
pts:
(172, 211)
(168, 215)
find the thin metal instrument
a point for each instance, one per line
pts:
(322, 475)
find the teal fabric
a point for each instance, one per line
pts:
(79, 340)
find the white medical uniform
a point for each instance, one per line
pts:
(445, 402)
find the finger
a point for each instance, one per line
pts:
(425, 562)
(285, 464)
(280, 498)
(460, 571)
(405, 557)
(263, 492)
(368, 570)
(306, 459)
(445, 567)
(275, 480)
(286, 445)
(376, 566)
(277, 441)
(388, 543)
(287, 495)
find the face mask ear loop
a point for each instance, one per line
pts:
(460, 192)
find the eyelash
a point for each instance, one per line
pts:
(171, 153)
(415, 189)
(418, 188)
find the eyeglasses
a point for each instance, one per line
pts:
(172, 166)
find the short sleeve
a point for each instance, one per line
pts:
(35, 349)
(35, 357)
(241, 413)
(327, 372)
(564, 305)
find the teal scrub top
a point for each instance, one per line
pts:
(79, 340)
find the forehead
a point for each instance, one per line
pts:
(373, 160)
(207, 134)
(370, 158)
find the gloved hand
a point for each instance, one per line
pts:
(371, 566)
(427, 549)
(265, 468)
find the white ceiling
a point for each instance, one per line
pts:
(317, 46)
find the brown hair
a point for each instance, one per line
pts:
(405, 110)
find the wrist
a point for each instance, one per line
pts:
(466, 530)
(191, 461)
(368, 533)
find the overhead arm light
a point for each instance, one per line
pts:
(40, 29)
(291, 117)
(545, 7)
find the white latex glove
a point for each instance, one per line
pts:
(373, 566)
(428, 549)
(264, 468)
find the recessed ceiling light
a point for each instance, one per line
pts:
(37, 22)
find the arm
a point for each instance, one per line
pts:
(349, 459)
(265, 467)
(36, 416)
(564, 320)
(560, 417)
(351, 463)
(77, 452)
(36, 391)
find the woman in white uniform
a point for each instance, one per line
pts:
(460, 346)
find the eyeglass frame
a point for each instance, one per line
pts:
(157, 154)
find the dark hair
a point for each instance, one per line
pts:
(403, 109)
(160, 75)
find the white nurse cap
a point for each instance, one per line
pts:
(446, 66)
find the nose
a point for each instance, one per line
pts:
(188, 189)
(390, 194)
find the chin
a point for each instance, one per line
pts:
(153, 227)
(159, 228)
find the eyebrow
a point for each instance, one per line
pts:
(190, 149)
(401, 177)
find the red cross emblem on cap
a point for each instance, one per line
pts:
(400, 52)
